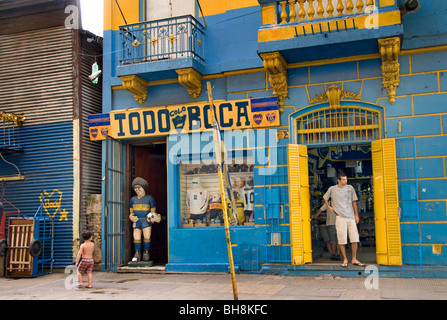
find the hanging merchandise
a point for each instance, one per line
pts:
(95, 73)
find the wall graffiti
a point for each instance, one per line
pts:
(51, 203)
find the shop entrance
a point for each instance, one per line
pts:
(324, 163)
(349, 137)
(148, 160)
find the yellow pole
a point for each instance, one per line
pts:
(219, 159)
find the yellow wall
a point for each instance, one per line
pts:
(112, 15)
(113, 18)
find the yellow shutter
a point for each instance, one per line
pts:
(386, 204)
(299, 204)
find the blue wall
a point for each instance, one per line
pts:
(417, 120)
(47, 164)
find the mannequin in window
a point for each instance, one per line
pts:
(140, 205)
(197, 201)
(247, 195)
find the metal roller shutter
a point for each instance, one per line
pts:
(37, 75)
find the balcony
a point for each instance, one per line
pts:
(299, 28)
(159, 50)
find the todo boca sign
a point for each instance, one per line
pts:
(159, 121)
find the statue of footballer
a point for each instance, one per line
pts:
(142, 214)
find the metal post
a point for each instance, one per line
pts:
(220, 164)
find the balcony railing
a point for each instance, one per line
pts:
(307, 10)
(326, 22)
(173, 38)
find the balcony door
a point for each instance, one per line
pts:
(162, 9)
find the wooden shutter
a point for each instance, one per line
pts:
(386, 204)
(299, 204)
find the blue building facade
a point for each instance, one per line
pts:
(357, 87)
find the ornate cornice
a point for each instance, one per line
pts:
(191, 79)
(135, 85)
(389, 49)
(276, 67)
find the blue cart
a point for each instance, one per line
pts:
(30, 246)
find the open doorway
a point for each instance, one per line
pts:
(149, 162)
(324, 164)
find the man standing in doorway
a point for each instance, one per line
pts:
(344, 204)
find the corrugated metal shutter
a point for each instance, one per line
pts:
(386, 203)
(36, 75)
(47, 164)
(299, 204)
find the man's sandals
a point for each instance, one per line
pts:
(358, 263)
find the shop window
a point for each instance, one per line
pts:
(200, 196)
(338, 125)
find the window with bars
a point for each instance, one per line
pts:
(346, 124)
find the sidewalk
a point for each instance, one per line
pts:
(192, 287)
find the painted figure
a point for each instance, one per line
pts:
(142, 214)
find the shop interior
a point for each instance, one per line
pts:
(324, 164)
(148, 160)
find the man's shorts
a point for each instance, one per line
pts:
(345, 227)
(85, 265)
(332, 233)
(142, 223)
(324, 232)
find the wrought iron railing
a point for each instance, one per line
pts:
(173, 38)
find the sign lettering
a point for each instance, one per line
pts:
(161, 121)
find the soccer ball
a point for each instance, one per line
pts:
(151, 217)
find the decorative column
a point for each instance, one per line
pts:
(135, 85)
(389, 51)
(191, 79)
(276, 67)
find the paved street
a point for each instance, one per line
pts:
(165, 286)
(181, 296)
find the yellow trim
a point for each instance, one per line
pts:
(386, 202)
(299, 199)
(268, 14)
(387, 3)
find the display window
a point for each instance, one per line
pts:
(200, 195)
